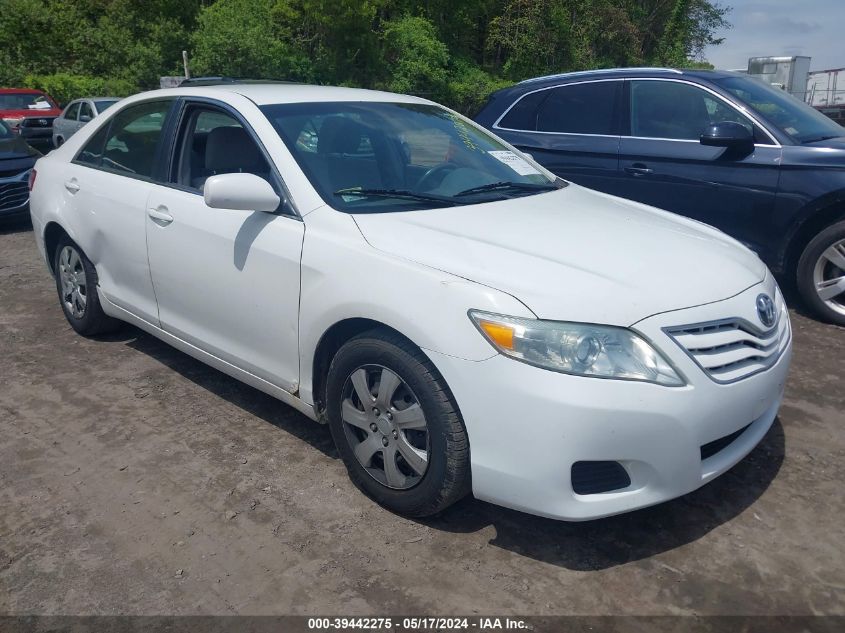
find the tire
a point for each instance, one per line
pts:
(422, 393)
(76, 284)
(823, 262)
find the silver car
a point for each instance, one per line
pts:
(77, 114)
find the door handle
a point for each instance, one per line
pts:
(71, 185)
(160, 216)
(638, 169)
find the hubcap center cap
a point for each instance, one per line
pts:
(384, 425)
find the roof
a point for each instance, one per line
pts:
(273, 93)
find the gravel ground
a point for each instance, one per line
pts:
(135, 480)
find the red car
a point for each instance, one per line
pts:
(29, 113)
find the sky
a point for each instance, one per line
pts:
(762, 28)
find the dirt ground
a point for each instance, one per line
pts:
(136, 480)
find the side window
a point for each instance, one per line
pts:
(92, 153)
(586, 108)
(214, 142)
(72, 113)
(523, 113)
(129, 146)
(672, 110)
(86, 110)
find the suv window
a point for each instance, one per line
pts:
(214, 142)
(579, 109)
(673, 110)
(72, 113)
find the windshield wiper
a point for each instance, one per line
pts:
(826, 137)
(508, 185)
(397, 193)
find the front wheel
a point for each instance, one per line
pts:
(76, 283)
(821, 274)
(396, 425)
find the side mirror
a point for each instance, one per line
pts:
(84, 118)
(728, 134)
(246, 192)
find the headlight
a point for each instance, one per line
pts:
(577, 348)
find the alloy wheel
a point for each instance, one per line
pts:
(385, 426)
(829, 277)
(74, 284)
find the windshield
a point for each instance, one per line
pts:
(103, 104)
(801, 122)
(377, 157)
(24, 101)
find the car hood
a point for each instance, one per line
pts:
(832, 143)
(15, 148)
(574, 254)
(32, 113)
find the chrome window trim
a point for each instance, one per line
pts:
(742, 110)
(496, 125)
(598, 71)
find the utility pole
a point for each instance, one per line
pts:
(185, 64)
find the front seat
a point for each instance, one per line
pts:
(230, 150)
(338, 144)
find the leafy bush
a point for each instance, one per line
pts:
(64, 87)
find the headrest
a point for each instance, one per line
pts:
(231, 149)
(339, 135)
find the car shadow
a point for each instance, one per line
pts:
(585, 546)
(248, 398)
(20, 224)
(605, 543)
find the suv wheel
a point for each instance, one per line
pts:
(76, 282)
(396, 425)
(821, 274)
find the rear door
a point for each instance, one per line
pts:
(226, 280)
(664, 164)
(108, 184)
(572, 130)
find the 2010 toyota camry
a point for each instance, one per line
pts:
(461, 318)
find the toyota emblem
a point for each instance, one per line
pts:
(766, 310)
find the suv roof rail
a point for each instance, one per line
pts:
(598, 71)
(216, 81)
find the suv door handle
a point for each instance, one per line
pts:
(638, 169)
(71, 185)
(160, 216)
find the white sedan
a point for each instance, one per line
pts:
(462, 319)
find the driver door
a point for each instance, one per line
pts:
(664, 164)
(227, 281)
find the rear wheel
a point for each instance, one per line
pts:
(76, 283)
(396, 425)
(821, 274)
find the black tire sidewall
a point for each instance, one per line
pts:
(806, 266)
(372, 351)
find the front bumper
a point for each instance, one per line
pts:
(528, 426)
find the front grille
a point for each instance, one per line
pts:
(9, 173)
(731, 350)
(590, 478)
(13, 194)
(38, 122)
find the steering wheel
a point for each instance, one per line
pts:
(434, 176)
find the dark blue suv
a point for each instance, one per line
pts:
(719, 147)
